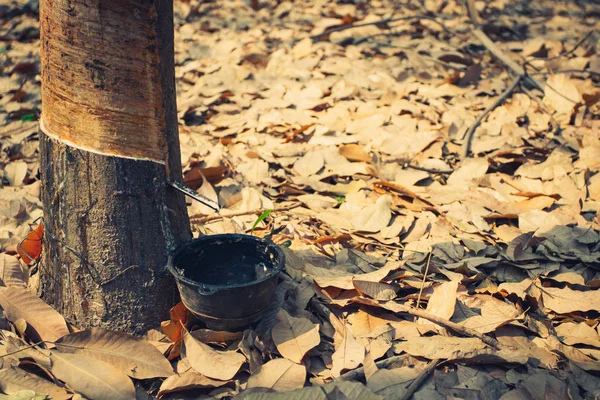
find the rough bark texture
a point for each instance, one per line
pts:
(110, 221)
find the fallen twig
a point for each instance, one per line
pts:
(379, 22)
(430, 170)
(454, 326)
(201, 218)
(509, 62)
(466, 147)
(326, 313)
(414, 385)
(579, 43)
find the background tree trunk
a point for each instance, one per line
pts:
(109, 143)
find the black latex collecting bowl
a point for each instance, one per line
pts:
(227, 280)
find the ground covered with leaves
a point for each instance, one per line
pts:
(435, 187)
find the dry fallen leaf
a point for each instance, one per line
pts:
(20, 303)
(375, 217)
(354, 152)
(280, 374)
(294, 337)
(567, 300)
(11, 272)
(13, 379)
(215, 364)
(92, 378)
(562, 94)
(131, 355)
(442, 301)
(445, 347)
(349, 352)
(187, 380)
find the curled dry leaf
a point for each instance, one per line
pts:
(174, 328)
(179, 318)
(92, 378)
(294, 337)
(133, 356)
(281, 375)
(13, 380)
(19, 303)
(221, 365)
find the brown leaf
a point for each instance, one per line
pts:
(375, 290)
(11, 272)
(343, 280)
(514, 337)
(311, 163)
(375, 217)
(221, 365)
(92, 378)
(13, 379)
(294, 337)
(194, 177)
(564, 96)
(354, 152)
(566, 300)
(209, 336)
(444, 347)
(281, 375)
(349, 353)
(378, 341)
(19, 303)
(442, 301)
(571, 333)
(15, 172)
(365, 321)
(190, 379)
(392, 383)
(133, 356)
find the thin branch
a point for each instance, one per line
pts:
(509, 62)
(466, 147)
(201, 218)
(453, 326)
(25, 348)
(430, 170)
(414, 385)
(424, 279)
(579, 43)
(379, 22)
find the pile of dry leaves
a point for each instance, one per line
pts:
(438, 184)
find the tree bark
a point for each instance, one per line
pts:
(109, 145)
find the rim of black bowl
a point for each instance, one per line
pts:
(276, 269)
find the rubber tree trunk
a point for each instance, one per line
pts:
(109, 144)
